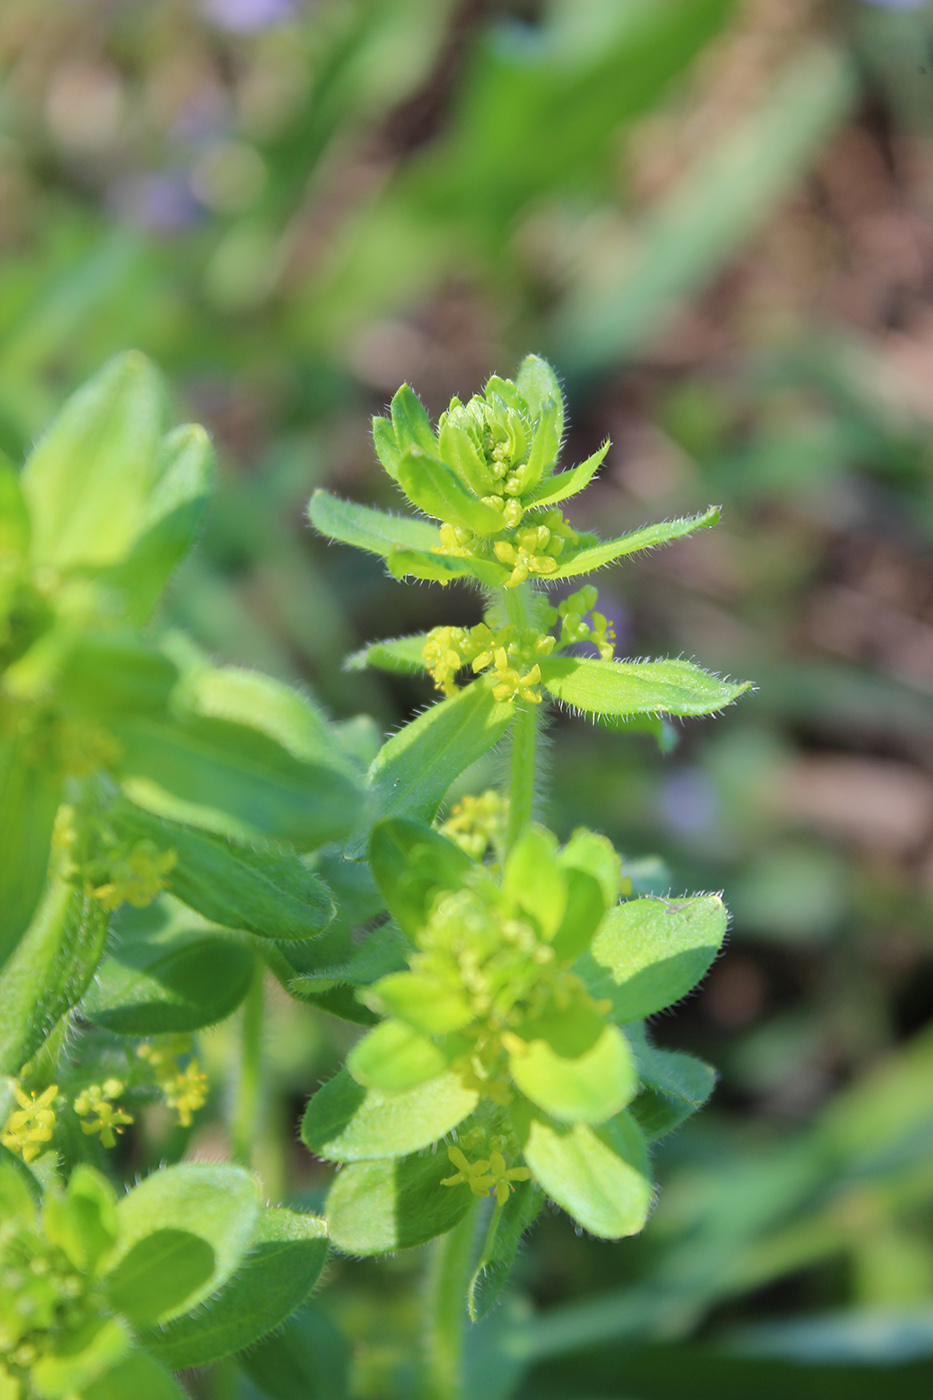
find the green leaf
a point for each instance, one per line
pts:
(375, 1207)
(500, 1248)
(538, 385)
(557, 488)
(401, 654)
(89, 479)
(386, 445)
(173, 516)
(425, 1002)
(49, 970)
(83, 1221)
(622, 688)
(431, 486)
(332, 986)
(441, 568)
(233, 778)
(14, 517)
(261, 888)
(411, 422)
(415, 768)
(29, 797)
(588, 1086)
(584, 911)
(219, 1205)
(595, 854)
(346, 1123)
(113, 672)
(650, 952)
(80, 1355)
(168, 979)
(369, 529)
(457, 448)
(533, 880)
(394, 1057)
(308, 1360)
(600, 1176)
(133, 1378)
(412, 865)
(287, 1254)
(157, 1276)
(647, 538)
(673, 1085)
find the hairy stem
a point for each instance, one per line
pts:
(246, 1109)
(520, 603)
(447, 1313)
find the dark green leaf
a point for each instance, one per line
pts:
(261, 888)
(159, 1274)
(49, 970)
(29, 797)
(170, 979)
(285, 1260)
(308, 1360)
(501, 1247)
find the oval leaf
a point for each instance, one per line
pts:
(346, 1123)
(375, 1207)
(599, 1175)
(619, 688)
(587, 1088)
(650, 952)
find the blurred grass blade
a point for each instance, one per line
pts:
(708, 218)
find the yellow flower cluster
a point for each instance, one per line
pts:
(513, 654)
(30, 1126)
(95, 1106)
(487, 1174)
(529, 550)
(136, 876)
(600, 631)
(184, 1090)
(477, 823)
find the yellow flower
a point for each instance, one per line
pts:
(32, 1124)
(472, 1174)
(485, 1176)
(93, 1103)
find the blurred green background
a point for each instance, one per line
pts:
(715, 219)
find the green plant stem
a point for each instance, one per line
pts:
(447, 1314)
(246, 1109)
(520, 603)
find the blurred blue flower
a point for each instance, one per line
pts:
(247, 16)
(688, 803)
(161, 202)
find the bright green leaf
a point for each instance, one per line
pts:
(538, 385)
(261, 888)
(441, 568)
(431, 486)
(585, 1088)
(600, 1176)
(346, 1123)
(369, 529)
(622, 688)
(375, 1207)
(650, 952)
(557, 488)
(411, 423)
(394, 1057)
(219, 1205)
(89, 479)
(412, 864)
(78, 1357)
(597, 555)
(401, 654)
(415, 768)
(534, 881)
